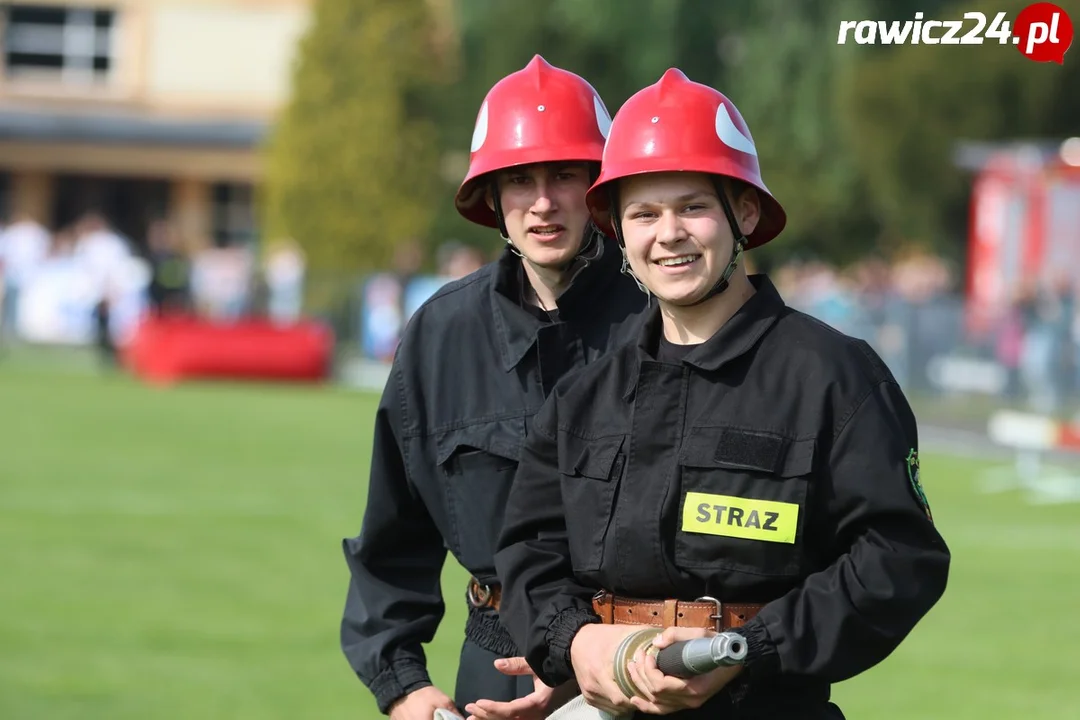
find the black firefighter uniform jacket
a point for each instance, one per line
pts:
(776, 464)
(472, 369)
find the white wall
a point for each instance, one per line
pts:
(232, 53)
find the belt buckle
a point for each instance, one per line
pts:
(718, 618)
(478, 595)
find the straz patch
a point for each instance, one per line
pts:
(916, 483)
(764, 520)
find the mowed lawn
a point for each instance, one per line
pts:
(175, 553)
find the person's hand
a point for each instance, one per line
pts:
(421, 704)
(592, 654)
(537, 705)
(660, 694)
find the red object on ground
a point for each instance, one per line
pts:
(171, 349)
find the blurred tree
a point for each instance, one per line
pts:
(353, 160)
(777, 60)
(855, 140)
(910, 104)
(617, 45)
(495, 38)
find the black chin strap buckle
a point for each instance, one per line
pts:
(722, 284)
(736, 250)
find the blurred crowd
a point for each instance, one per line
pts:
(912, 311)
(87, 283)
(52, 282)
(864, 296)
(73, 284)
(388, 299)
(1039, 343)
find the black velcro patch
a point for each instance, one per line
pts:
(751, 450)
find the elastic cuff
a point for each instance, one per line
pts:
(761, 656)
(484, 628)
(397, 681)
(560, 636)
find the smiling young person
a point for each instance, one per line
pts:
(474, 365)
(740, 466)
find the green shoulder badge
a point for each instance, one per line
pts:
(916, 485)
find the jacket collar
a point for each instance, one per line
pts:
(516, 327)
(733, 340)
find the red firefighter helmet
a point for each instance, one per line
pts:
(680, 125)
(538, 114)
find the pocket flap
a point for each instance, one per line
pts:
(502, 438)
(589, 458)
(742, 449)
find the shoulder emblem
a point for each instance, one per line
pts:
(916, 484)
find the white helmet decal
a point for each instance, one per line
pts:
(603, 119)
(480, 131)
(731, 135)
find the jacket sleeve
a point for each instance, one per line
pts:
(394, 601)
(543, 606)
(890, 567)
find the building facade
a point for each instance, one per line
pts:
(142, 110)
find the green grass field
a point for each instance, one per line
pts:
(175, 553)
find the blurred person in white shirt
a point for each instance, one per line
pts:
(100, 249)
(23, 247)
(284, 274)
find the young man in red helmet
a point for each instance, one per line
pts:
(474, 365)
(741, 466)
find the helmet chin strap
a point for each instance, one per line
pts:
(736, 249)
(500, 218)
(613, 201)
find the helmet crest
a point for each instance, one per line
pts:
(676, 124)
(540, 113)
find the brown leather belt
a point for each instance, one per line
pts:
(704, 612)
(484, 596)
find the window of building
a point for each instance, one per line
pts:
(74, 44)
(234, 214)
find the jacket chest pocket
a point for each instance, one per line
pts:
(743, 501)
(478, 464)
(590, 471)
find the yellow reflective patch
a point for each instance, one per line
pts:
(729, 516)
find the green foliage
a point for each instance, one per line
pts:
(910, 105)
(777, 61)
(352, 162)
(855, 140)
(787, 81)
